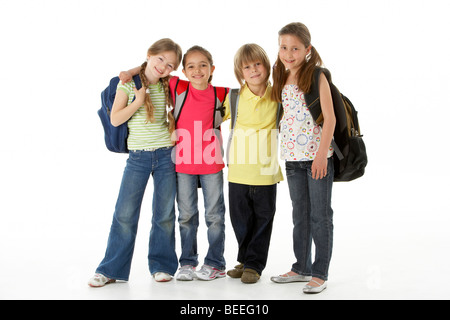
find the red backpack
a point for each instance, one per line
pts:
(181, 92)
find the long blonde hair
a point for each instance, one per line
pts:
(305, 74)
(158, 47)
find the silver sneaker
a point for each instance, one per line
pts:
(287, 278)
(209, 273)
(186, 273)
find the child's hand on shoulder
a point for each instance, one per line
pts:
(125, 76)
(140, 95)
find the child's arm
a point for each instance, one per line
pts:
(319, 166)
(126, 76)
(120, 112)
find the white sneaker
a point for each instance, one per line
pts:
(186, 273)
(162, 277)
(99, 280)
(209, 273)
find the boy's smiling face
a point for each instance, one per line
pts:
(255, 74)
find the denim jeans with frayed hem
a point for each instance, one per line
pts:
(187, 200)
(161, 256)
(312, 217)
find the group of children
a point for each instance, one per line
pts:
(253, 169)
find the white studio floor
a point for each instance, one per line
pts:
(53, 236)
(58, 184)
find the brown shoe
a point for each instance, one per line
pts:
(237, 271)
(250, 276)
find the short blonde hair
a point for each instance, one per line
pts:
(246, 54)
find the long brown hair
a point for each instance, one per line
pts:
(158, 47)
(305, 73)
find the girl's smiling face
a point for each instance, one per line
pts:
(160, 65)
(198, 70)
(292, 52)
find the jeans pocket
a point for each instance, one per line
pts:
(290, 168)
(135, 155)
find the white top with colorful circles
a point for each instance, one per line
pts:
(299, 133)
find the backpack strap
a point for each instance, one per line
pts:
(138, 83)
(312, 100)
(220, 94)
(280, 111)
(181, 91)
(234, 101)
(219, 110)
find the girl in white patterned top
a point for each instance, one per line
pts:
(150, 154)
(306, 148)
(301, 135)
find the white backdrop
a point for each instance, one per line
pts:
(59, 183)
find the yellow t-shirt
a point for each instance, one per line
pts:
(253, 149)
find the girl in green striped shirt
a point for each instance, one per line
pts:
(150, 148)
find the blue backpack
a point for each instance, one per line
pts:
(115, 137)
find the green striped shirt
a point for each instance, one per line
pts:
(143, 134)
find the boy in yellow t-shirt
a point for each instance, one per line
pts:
(253, 169)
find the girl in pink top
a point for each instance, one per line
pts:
(199, 161)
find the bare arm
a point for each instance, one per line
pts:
(319, 166)
(120, 112)
(126, 76)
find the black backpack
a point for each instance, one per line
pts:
(350, 158)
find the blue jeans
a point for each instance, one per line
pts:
(252, 210)
(162, 256)
(187, 199)
(312, 216)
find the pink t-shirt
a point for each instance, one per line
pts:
(198, 150)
